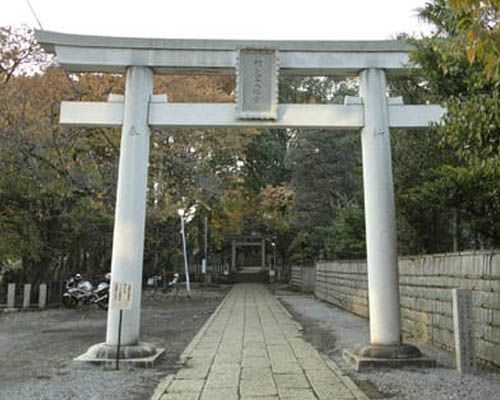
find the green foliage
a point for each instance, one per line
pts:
(472, 129)
(479, 24)
(265, 159)
(422, 214)
(345, 238)
(326, 169)
(447, 180)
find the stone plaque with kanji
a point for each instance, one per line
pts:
(257, 84)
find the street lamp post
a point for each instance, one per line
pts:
(204, 266)
(273, 244)
(183, 234)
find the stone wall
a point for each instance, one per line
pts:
(426, 296)
(296, 277)
(303, 278)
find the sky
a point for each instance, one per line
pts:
(222, 19)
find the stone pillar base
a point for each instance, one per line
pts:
(141, 355)
(386, 356)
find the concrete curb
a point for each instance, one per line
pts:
(356, 391)
(162, 387)
(190, 347)
(164, 383)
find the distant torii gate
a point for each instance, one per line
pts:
(257, 64)
(247, 241)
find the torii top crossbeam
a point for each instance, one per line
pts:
(81, 53)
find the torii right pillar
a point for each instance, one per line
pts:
(385, 348)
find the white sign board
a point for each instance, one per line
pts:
(121, 295)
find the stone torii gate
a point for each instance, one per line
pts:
(247, 241)
(257, 65)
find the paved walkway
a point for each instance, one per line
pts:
(251, 348)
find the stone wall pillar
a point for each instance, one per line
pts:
(42, 296)
(11, 296)
(27, 295)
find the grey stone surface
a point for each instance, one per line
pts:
(37, 348)
(186, 385)
(178, 56)
(220, 394)
(48, 39)
(257, 87)
(426, 285)
(332, 329)
(362, 363)
(141, 355)
(260, 354)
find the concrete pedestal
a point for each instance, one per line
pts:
(391, 356)
(141, 355)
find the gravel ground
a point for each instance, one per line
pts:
(37, 348)
(331, 329)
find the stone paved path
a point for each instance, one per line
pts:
(251, 348)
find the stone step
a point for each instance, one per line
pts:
(250, 276)
(250, 270)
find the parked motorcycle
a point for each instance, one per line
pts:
(81, 291)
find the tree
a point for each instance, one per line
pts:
(446, 180)
(326, 170)
(19, 53)
(479, 24)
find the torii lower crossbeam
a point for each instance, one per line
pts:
(222, 115)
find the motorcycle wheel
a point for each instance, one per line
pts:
(103, 304)
(69, 301)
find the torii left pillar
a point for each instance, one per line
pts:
(128, 237)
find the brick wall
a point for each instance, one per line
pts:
(426, 296)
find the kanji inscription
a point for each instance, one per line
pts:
(257, 83)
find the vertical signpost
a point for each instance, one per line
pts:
(121, 299)
(464, 331)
